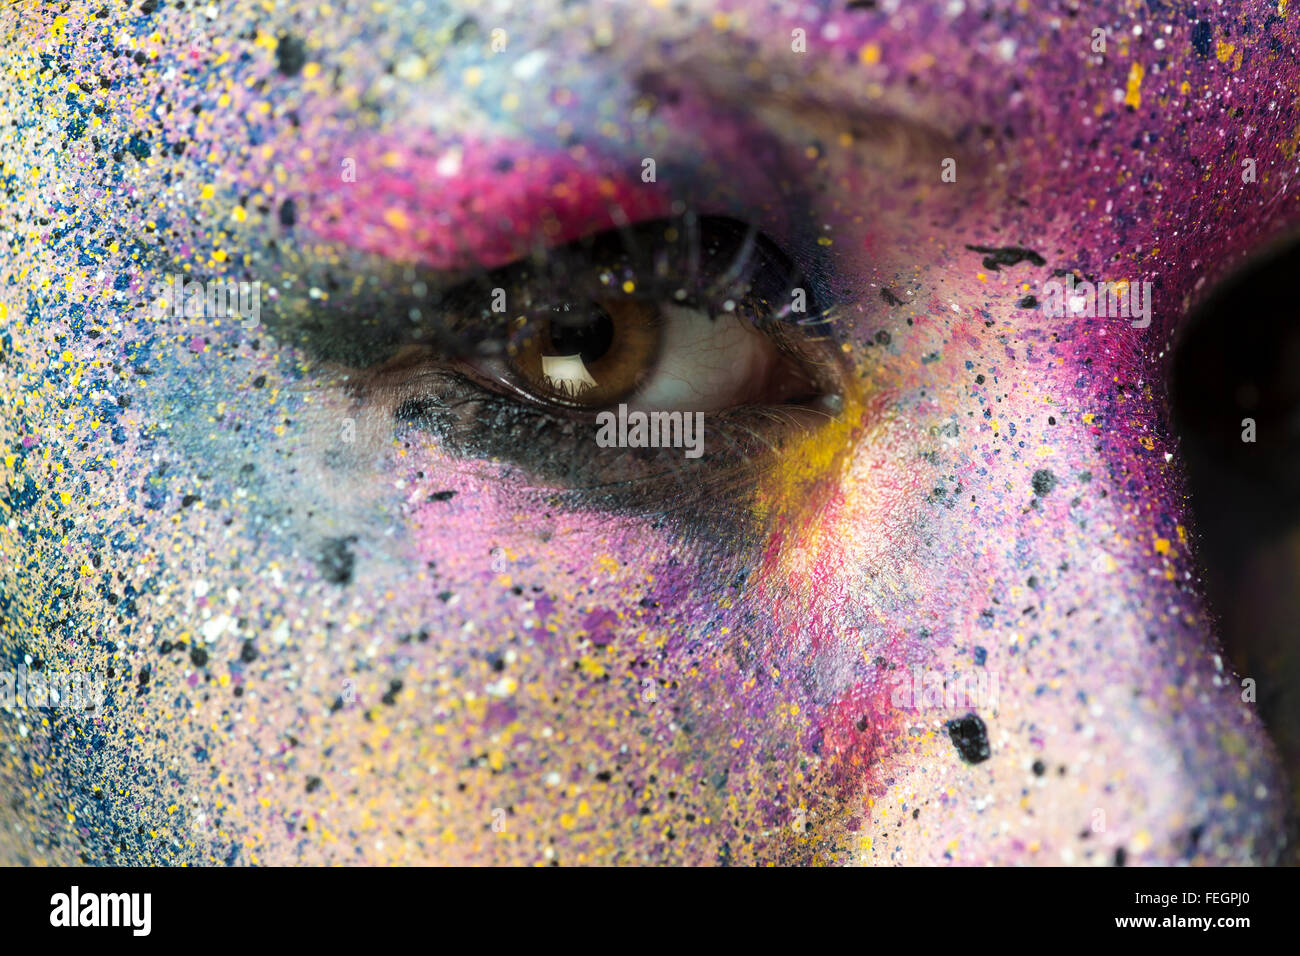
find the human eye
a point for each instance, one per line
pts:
(693, 314)
(677, 315)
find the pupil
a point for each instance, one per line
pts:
(590, 339)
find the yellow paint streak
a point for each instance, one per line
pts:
(1133, 94)
(816, 454)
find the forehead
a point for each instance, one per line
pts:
(1075, 107)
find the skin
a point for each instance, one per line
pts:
(318, 658)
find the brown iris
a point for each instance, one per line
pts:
(590, 354)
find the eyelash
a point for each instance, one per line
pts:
(636, 254)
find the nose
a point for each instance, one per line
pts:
(1030, 637)
(1194, 775)
(1148, 756)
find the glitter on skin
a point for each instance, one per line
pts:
(312, 661)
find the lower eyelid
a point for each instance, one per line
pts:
(468, 414)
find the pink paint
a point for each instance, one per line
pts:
(475, 203)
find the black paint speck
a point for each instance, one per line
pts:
(467, 29)
(390, 696)
(1040, 768)
(996, 256)
(336, 560)
(970, 737)
(1044, 481)
(290, 55)
(1202, 35)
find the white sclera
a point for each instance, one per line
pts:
(705, 365)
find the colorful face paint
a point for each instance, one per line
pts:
(359, 589)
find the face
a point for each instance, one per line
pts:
(367, 556)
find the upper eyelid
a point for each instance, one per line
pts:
(724, 76)
(569, 269)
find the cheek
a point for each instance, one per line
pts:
(626, 692)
